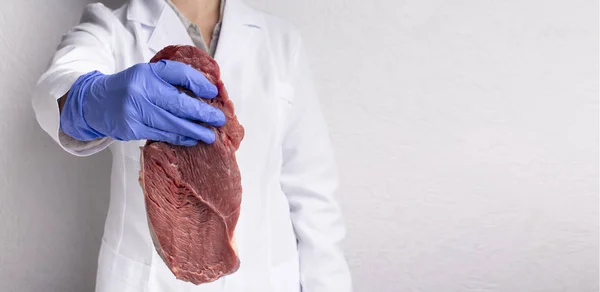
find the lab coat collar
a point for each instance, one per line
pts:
(146, 12)
(168, 30)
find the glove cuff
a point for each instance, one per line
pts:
(72, 121)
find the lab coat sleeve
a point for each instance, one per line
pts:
(86, 47)
(309, 181)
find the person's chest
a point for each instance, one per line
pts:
(251, 78)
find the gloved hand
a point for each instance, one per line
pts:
(142, 103)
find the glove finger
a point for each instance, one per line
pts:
(180, 74)
(165, 121)
(184, 106)
(163, 136)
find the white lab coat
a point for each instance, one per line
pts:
(290, 225)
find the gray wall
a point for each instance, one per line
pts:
(467, 136)
(466, 133)
(52, 205)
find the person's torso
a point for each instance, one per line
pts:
(252, 68)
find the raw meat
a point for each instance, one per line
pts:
(193, 194)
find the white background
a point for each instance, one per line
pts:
(466, 132)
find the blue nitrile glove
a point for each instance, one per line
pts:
(142, 103)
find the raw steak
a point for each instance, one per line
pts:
(193, 194)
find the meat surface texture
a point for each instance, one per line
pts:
(193, 194)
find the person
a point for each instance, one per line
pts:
(100, 92)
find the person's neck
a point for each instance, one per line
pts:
(201, 12)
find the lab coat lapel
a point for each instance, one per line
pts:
(240, 24)
(163, 26)
(169, 30)
(236, 50)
